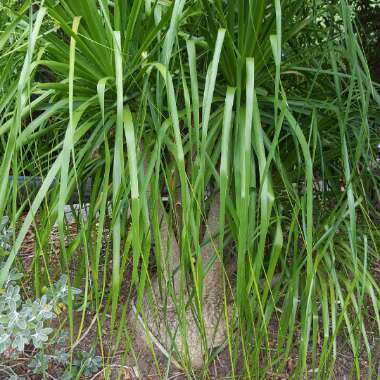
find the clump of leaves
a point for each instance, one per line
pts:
(85, 364)
(28, 322)
(6, 234)
(39, 363)
(23, 323)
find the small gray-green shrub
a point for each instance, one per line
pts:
(5, 234)
(28, 322)
(22, 323)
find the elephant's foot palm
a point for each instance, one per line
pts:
(175, 326)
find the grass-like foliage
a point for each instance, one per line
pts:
(166, 106)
